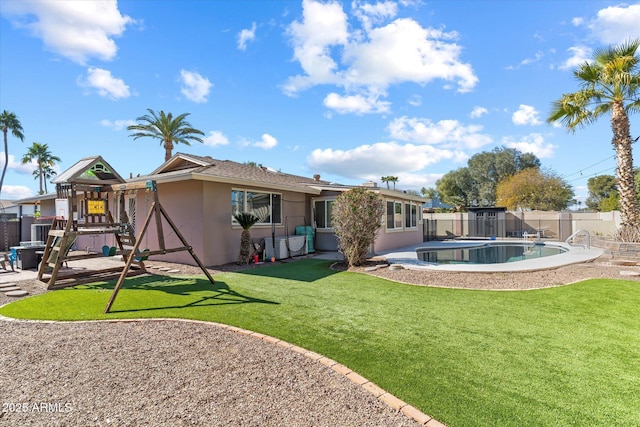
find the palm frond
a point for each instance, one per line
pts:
(246, 219)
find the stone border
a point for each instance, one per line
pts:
(617, 250)
(379, 393)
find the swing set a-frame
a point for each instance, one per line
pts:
(88, 184)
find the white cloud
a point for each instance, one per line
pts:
(267, 142)
(117, 124)
(526, 115)
(17, 165)
(368, 60)
(370, 14)
(415, 181)
(77, 30)
(448, 133)
(215, 138)
(478, 112)
(415, 100)
(404, 51)
(537, 57)
(194, 87)
(357, 104)
(322, 26)
(616, 24)
(579, 55)
(16, 192)
(532, 143)
(246, 36)
(370, 162)
(105, 84)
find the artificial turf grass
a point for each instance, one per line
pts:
(557, 356)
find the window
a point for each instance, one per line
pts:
(394, 215)
(323, 213)
(266, 206)
(410, 215)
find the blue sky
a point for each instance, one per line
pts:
(350, 90)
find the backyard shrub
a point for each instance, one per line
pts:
(356, 218)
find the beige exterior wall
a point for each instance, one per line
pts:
(386, 240)
(202, 212)
(183, 203)
(402, 236)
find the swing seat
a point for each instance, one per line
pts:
(142, 256)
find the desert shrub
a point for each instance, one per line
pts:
(356, 216)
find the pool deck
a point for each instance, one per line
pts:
(407, 257)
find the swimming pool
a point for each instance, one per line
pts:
(489, 253)
(565, 254)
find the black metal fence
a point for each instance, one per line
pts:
(555, 229)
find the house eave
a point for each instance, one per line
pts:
(303, 188)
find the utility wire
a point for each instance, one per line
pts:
(589, 167)
(592, 175)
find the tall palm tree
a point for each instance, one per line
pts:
(9, 122)
(389, 179)
(44, 159)
(167, 129)
(609, 85)
(47, 173)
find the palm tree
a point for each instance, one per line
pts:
(389, 179)
(246, 221)
(167, 129)
(9, 122)
(48, 173)
(43, 158)
(609, 85)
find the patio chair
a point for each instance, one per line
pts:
(8, 260)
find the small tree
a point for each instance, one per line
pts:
(534, 189)
(357, 216)
(246, 221)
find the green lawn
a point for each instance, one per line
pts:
(557, 356)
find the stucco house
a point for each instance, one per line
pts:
(201, 195)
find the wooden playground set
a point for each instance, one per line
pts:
(85, 188)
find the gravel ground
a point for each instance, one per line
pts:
(158, 373)
(600, 268)
(170, 373)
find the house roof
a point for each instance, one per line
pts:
(90, 170)
(183, 166)
(435, 204)
(35, 199)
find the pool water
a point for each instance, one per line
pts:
(490, 253)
